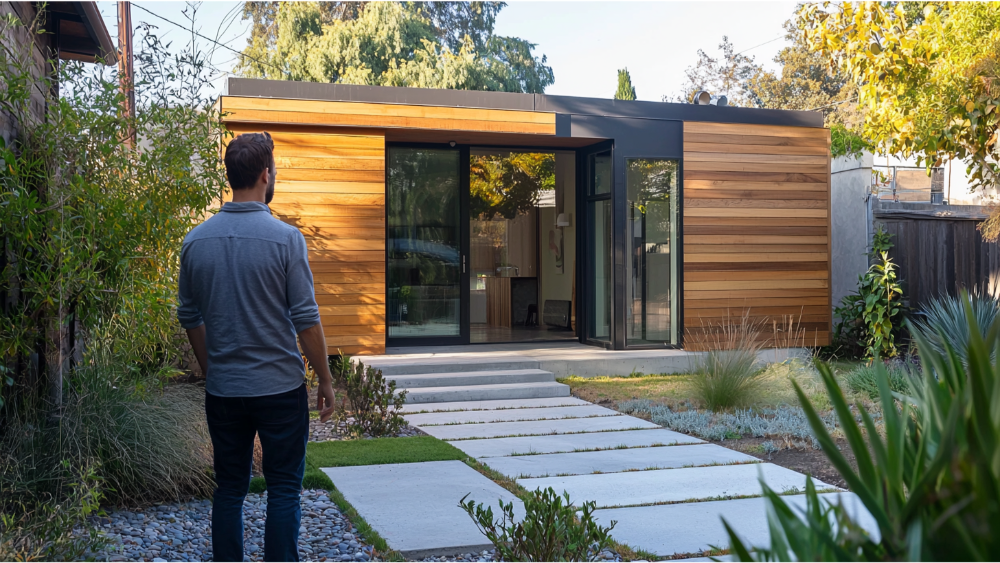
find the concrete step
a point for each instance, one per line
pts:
(486, 392)
(392, 367)
(466, 378)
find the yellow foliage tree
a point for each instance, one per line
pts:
(928, 82)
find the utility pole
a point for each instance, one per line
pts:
(126, 73)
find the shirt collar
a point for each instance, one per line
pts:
(244, 206)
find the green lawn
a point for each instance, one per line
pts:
(379, 451)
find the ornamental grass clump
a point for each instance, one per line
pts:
(552, 529)
(728, 375)
(864, 379)
(928, 475)
(944, 320)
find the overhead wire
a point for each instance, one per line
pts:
(241, 53)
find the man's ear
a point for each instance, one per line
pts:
(265, 176)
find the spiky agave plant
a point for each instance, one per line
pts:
(945, 321)
(929, 477)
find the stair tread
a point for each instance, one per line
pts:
(484, 373)
(482, 387)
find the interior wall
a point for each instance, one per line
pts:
(555, 285)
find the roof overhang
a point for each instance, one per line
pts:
(80, 32)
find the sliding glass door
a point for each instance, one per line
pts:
(598, 260)
(425, 254)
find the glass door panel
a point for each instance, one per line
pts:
(599, 267)
(651, 302)
(424, 244)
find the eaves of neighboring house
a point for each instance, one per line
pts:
(72, 31)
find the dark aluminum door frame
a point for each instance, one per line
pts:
(463, 195)
(585, 285)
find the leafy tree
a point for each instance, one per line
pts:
(430, 45)
(929, 85)
(509, 185)
(728, 74)
(625, 89)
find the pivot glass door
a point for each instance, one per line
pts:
(425, 254)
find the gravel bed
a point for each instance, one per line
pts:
(606, 555)
(330, 431)
(182, 532)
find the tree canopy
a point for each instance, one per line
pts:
(625, 89)
(928, 85)
(429, 45)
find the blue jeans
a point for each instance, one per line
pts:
(282, 422)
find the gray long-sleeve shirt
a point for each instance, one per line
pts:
(245, 275)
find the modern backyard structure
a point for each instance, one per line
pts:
(428, 227)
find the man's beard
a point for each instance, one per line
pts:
(269, 192)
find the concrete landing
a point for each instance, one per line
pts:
(501, 404)
(697, 526)
(572, 442)
(560, 358)
(537, 427)
(673, 485)
(507, 415)
(414, 506)
(615, 461)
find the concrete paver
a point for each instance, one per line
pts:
(538, 427)
(612, 461)
(673, 485)
(693, 527)
(507, 415)
(521, 445)
(414, 506)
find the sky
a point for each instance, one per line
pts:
(585, 42)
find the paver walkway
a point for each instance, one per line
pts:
(667, 491)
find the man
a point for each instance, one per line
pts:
(245, 291)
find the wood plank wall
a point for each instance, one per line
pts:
(756, 228)
(331, 185)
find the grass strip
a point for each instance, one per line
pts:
(379, 451)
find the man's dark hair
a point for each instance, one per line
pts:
(246, 157)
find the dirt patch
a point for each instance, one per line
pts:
(797, 457)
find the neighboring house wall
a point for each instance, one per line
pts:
(850, 185)
(756, 227)
(42, 52)
(938, 250)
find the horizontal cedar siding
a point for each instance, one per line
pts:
(756, 227)
(385, 116)
(331, 185)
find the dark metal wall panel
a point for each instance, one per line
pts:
(574, 106)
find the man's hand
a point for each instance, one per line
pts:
(324, 401)
(196, 336)
(313, 344)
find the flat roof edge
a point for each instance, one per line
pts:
(598, 107)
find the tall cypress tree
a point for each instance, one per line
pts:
(625, 90)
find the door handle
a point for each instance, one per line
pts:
(463, 263)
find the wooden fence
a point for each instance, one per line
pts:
(939, 250)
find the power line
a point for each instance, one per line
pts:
(833, 104)
(762, 44)
(241, 53)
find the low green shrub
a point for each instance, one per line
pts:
(373, 402)
(316, 479)
(727, 375)
(552, 529)
(258, 485)
(864, 379)
(928, 474)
